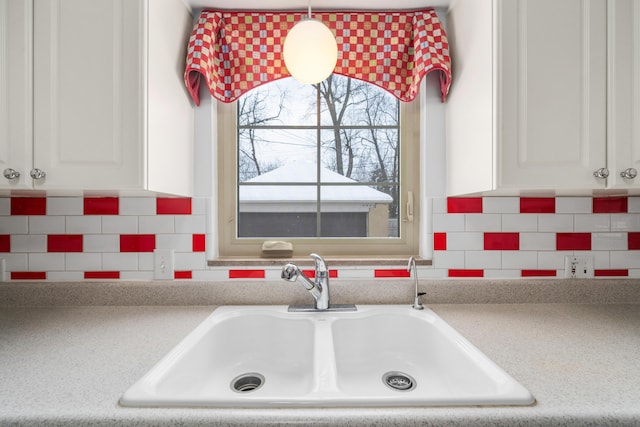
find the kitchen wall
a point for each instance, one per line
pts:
(87, 238)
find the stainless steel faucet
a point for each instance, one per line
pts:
(318, 289)
(416, 301)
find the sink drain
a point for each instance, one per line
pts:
(399, 381)
(246, 383)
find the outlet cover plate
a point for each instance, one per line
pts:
(578, 267)
(163, 264)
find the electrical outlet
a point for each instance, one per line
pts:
(577, 267)
(163, 264)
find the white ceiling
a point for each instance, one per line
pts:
(317, 4)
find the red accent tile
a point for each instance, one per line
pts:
(28, 206)
(5, 243)
(439, 241)
(173, 206)
(64, 243)
(464, 205)
(539, 273)
(101, 274)
(198, 243)
(610, 205)
(466, 273)
(611, 273)
(634, 241)
(101, 205)
(183, 275)
(501, 241)
(391, 273)
(312, 273)
(537, 205)
(28, 275)
(246, 274)
(573, 241)
(137, 242)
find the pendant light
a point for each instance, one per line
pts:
(310, 50)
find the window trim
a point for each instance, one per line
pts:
(408, 242)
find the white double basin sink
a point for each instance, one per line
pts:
(265, 356)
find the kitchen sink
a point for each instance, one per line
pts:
(266, 356)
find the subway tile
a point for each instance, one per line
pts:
(539, 273)
(624, 259)
(64, 205)
(508, 205)
(173, 206)
(573, 205)
(611, 273)
(195, 261)
(83, 262)
(14, 224)
(555, 223)
(47, 262)
(537, 241)
(64, 243)
(29, 243)
(101, 243)
(482, 260)
(633, 240)
(501, 274)
(246, 274)
(210, 275)
(28, 275)
(177, 242)
(146, 260)
(519, 259)
(439, 241)
(136, 275)
(466, 273)
(190, 224)
(482, 222)
(199, 206)
(609, 205)
(382, 273)
(156, 224)
(552, 260)
(465, 241)
(518, 222)
(464, 205)
(119, 261)
(625, 222)
(65, 276)
(573, 241)
(5, 243)
(609, 241)
(5, 206)
(633, 207)
(501, 241)
(83, 224)
(47, 225)
(595, 223)
(101, 205)
(101, 275)
(182, 275)
(137, 242)
(28, 206)
(16, 261)
(546, 205)
(137, 206)
(447, 223)
(119, 224)
(439, 205)
(198, 242)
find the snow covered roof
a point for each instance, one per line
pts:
(304, 171)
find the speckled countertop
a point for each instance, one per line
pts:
(69, 364)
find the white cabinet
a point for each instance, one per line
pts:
(530, 106)
(16, 96)
(110, 111)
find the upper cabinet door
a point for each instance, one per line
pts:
(16, 101)
(89, 71)
(551, 109)
(624, 93)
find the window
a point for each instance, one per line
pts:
(329, 167)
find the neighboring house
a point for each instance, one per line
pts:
(290, 210)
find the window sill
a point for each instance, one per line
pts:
(332, 261)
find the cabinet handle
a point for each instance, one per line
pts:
(37, 173)
(629, 173)
(601, 173)
(11, 173)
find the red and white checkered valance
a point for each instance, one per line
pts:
(235, 52)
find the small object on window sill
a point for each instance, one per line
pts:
(277, 249)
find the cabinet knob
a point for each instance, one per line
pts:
(629, 173)
(11, 173)
(601, 173)
(37, 173)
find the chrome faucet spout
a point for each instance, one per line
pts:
(318, 289)
(416, 300)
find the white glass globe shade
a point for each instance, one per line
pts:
(310, 51)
